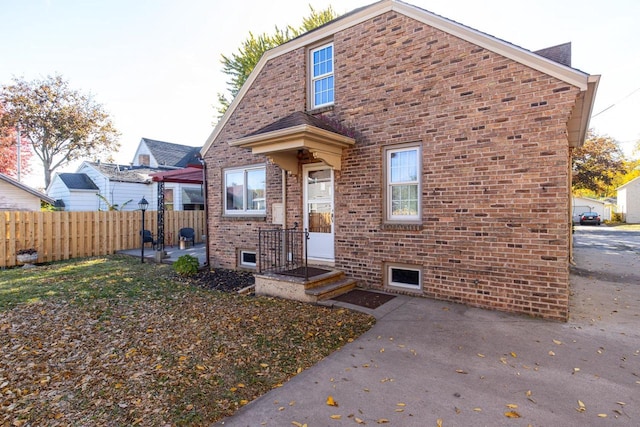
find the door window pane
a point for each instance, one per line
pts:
(320, 217)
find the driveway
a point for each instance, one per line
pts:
(430, 363)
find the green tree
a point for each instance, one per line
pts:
(239, 65)
(61, 124)
(596, 163)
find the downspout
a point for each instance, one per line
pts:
(284, 198)
(571, 260)
(285, 250)
(206, 209)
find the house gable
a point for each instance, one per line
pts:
(587, 84)
(153, 153)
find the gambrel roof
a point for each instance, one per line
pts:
(587, 84)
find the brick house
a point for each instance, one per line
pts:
(423, 156)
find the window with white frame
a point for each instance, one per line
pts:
(247, 259)
(403, 184)
(245, 191)
(321, 70)
(402, 276)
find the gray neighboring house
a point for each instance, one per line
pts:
(124, 185)
(15, 196)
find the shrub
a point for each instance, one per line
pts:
(186, 265)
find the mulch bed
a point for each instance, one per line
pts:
(364, 298)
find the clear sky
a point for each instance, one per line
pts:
(155, 64)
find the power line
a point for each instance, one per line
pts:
(614, 104)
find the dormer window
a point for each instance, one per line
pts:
(321, 60)
(144, 159)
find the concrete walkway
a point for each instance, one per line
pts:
(430, 363)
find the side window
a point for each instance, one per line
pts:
(245, 191)
(403, 184)
(404, 276)
(321, 71)
(168, 199)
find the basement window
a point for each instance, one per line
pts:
(402, 276)
(247, 259)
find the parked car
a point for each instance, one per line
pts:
(589, 218)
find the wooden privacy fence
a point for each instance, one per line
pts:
(65, 235)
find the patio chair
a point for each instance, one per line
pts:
(147, 237)
(187, 234)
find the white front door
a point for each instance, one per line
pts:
(318, 211)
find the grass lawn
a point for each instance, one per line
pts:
(110, 341)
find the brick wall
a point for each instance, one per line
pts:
(495, 182)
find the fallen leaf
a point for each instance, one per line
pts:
(460, 371)
(513, 354)
(335, 417)
(557, 342)
(551, 353)
(359, 421)
(439, 422)
(602, 415)
(480, 355)
(401, 404)
(331, 402)
(581, 407)
(382, 421)
(512, 414)
(511, 405)
(477, 409)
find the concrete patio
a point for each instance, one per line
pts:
(198, 250)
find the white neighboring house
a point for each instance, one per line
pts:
(586, 204)
(122, 186)
(629, 201)
(15, 196)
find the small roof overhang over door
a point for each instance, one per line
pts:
(282, 142)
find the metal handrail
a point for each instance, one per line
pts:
(282, 249)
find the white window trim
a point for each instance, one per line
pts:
(245, 211)
(243, 264)
(388, 186)
(313, 79)
(389, 275)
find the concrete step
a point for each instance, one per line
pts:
(332, 289)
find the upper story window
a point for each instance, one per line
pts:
(144, 159)
(245, 190)
(321, 76)
(403, 183)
